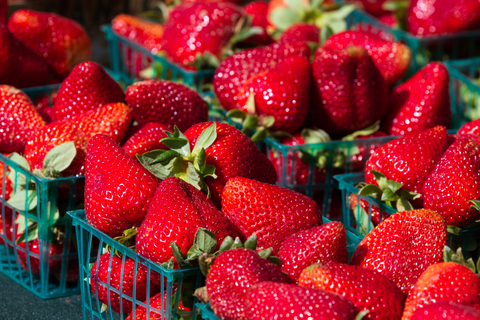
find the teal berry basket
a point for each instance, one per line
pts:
(46, 265)
(206, 311)
(359, 221)
(128, 59)
(462, 45)
(92, 244)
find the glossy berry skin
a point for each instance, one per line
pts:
(281, 92)
(231, 275)
(146, 139)
(348, 93)
(417, 152)
(87, 87)
(175, 213)
(19, 119)
(145, 33)
(55, 256)
(426, 18)
(105, 272)
(403, 246)
(444, 281)
(257, 10)
(366, 289)
(446, 311)
(420, 103)
(320, 244)
(62, 42)
(158, 301)
(391, 58)
(273, 213)
(301, 32)
(118, 189)
(234, 155)
(373, 7)
(170, 103)
(454, 182)
(472, 127)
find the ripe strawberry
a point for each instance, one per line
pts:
(8, 189)
(420, 103)
(320, 244)
(349, 92)
(403, 246)
(7, 221)
(418, 153)
(158, 301)
(373, 7)
(391, 58)
(176, 212)
(446, 311)
(233, 272)
(358, 160)
(62, 42)
(119, 274)
(18, 118)
(444, 281)
(55, 252)
(145, 33)
(287, 100)
(271, 300)
(146, 139)
(273, 213)
(366, 289)
(257, 10)
(87, 87)
(20, 67)
(472, 127)
(3, 11)
(118, 189)
(169, 103)
(301, 32)
(425, 18)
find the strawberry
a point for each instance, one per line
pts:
(146, 139)
(420, 103)
(418, 153)
(33, 266)
(320, 244)
(358, 159)
(403, 246)
(6, 225)
(62, 42)
(271, 300)
(373, 7)
(19, 66)
(472, 127)
(273, 213)
(232, 273)
(426, 18)
(3, 11)
(145, 33)
(257, 10)
(301, 32)
(444, 281)
(287, 100)
(375, 211)
(170, 103)
(18, 118)
(158, 301)
(8, 189)
(391, 58)
(87, 87)
(446, 311)
(349, 92)
(118, 189)
(111, 271)
(176, 211)
(366, 289)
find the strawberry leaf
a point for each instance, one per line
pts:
(267, 121)
(237, 244)
(475, 204)
(177, 253)
(22, 222)
(237, 115)
(19, 179)
(364, 223)
(410, 195)
(283, 18)
(165, 156)
(177, 141)
(147, 159)
(226, 245)
(361, 314)
(209, 171)
(194, 253)
(200, 160)
(24, 200)
(478, 265)
(251, 242)
(325, 33)
(30, 234)
(193, 177)
(381, 179)
(316, 4)
(371, 190)
(205, 139)
(260, 135)
(403, 205)
(59, 159)
(394, 186)
(251, 109)
(298, 6)
(104, 308)
(168, 265)
(388, 195)
(363, 132)
(266, 253)
(251, 121)
(205, 240)
(454, 230)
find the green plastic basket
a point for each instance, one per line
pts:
(43, 274)
(125, 55)
(91, 243)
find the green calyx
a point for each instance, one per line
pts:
(58, 160)
(321, 157)
(399, 9)
(354, 150)
(127, 238)
(457, 256)
(180, 161)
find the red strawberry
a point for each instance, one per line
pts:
(258, 12)
(145, 33)
(169, 103)
(176, 212)
(62, 42)
(425, 18)
(158, 301)
(358, 160)
(146, 139)
(18, 118)
(349, 92)
(446, 311)
(271, 300)
(8, 183)
(113, 272)
(281, 92)
(391, 58)
(320, 244)
(301, 32)
(420, 103)
(444, 281)
(273, 213)
(403, 246)
(118, 189)
(7, 221)
(472, 127)
(3, 11)
(373, 7)
(87, 87)
(233, 272)
(366, 289)
(20, 67)
(55, 252)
